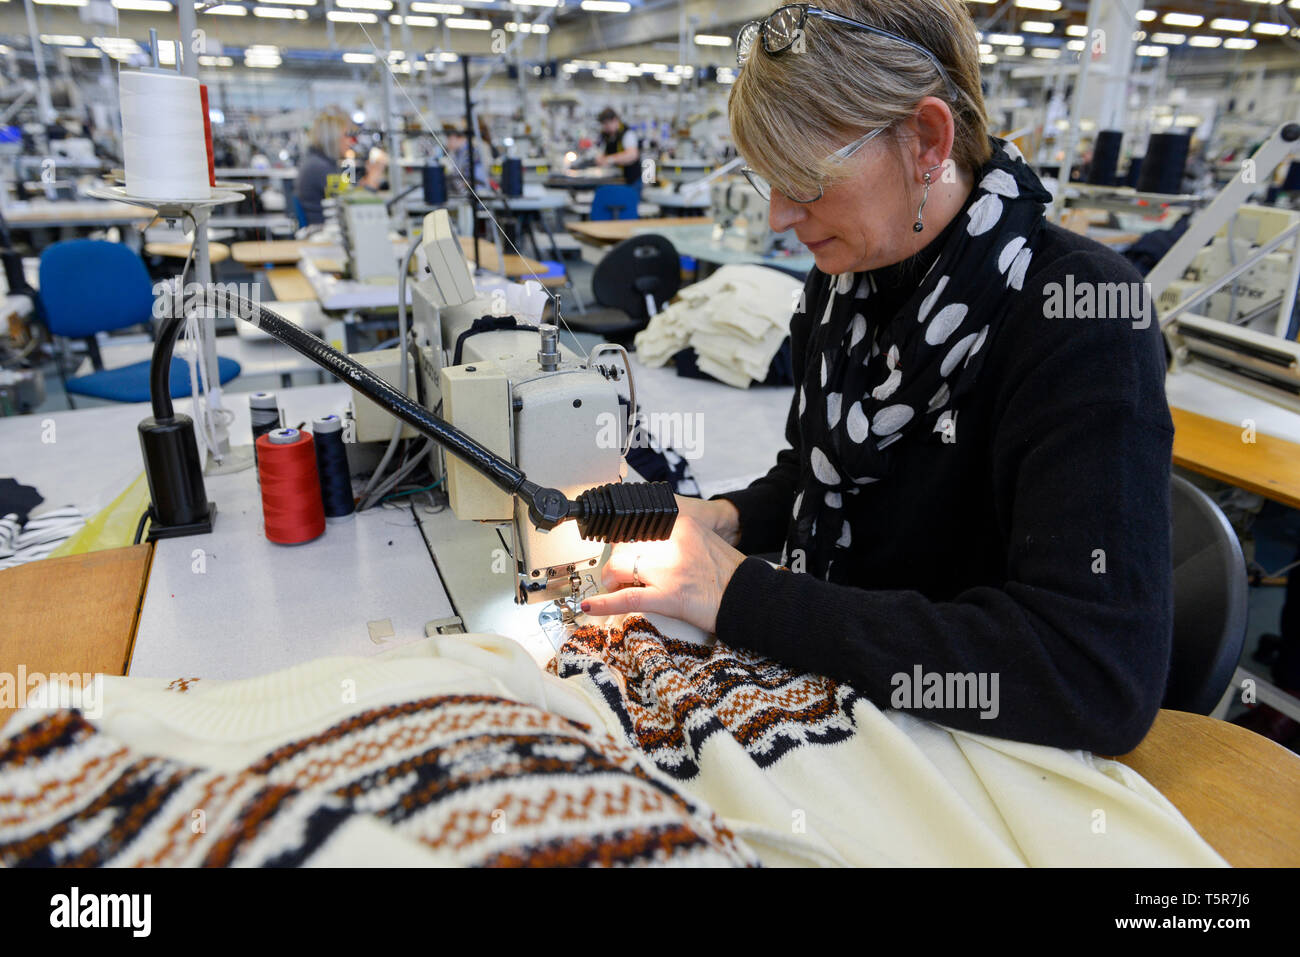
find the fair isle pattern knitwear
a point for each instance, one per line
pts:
(808, 771)
(461, 750)
(459, 779)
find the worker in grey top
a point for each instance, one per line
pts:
(329, 140)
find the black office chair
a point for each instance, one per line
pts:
(636, 278)
(1210, 602)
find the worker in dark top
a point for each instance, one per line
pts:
(327, 143)
(978, 477)
(618, 146)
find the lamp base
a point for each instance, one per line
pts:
(202, 527)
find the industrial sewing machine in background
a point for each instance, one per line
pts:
(740, 218)
(1226, 290)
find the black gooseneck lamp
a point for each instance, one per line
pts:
(617, 512)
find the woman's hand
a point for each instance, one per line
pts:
(718, 515)
(683, 578)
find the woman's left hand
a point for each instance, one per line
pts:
(683, 577)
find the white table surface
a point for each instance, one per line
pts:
(1216, 400)
(740, 430)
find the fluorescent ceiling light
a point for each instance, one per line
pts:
(527, 27)
(606, 6)
(457, 24)
(1037, 26)
(62, 3)
(275, 13)
(1146, 15)
(295, 3)
(988, 59)
(655, 67)
(536, 3)
(384, 5)
(1045, 54)
(1271, 29)
(419, 6)
(62, 40)
(986, 49)
(1152, 51)
(150, 6)
(712, 40)
(414, 21)
(1169, 39)
(358, 58)
(89, 52)
(351, 16)
(1075, 45)
(1013, 51)
(1077, 30)
(1039, 4)
(1183, 19)
(1205, 41)
(1239, 43)
(1006, 39)
(225, 10)
(1230, 25)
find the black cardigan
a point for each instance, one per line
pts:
(982, 554)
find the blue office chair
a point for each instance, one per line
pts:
(299, 212)
(90, 286)
(616, 202)
(1210, 602)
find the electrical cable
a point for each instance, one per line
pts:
(402, 368)
(139, 529)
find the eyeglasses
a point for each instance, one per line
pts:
(764, 188)
(783, 30)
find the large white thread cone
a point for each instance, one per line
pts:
(164, 147)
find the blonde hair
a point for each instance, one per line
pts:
(790, 111)
(328, 130)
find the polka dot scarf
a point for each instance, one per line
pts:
(871, 379)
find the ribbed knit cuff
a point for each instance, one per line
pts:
(758, 611)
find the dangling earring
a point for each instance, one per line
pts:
(917, 226)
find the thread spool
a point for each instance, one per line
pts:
(512, 176)
(263, 415)
(292, 511)
(332, 467)
(1162, 170)
(164, 148)
(435, 185)
(1105, 158)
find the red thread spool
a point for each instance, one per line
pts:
(291, 504)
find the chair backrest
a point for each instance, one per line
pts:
(90, 286)
(301, 214)
(615, 202)
(1210, 601)
(645, 265)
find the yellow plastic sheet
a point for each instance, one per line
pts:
(114, 525)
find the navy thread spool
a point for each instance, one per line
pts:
(435, 185)
(1105, 158)
(332, 468)
(1162, 170)
(512, 176)
(263, 415)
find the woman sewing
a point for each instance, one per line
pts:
(971, 486)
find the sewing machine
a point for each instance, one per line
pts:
(519, 393)
(1233, 266)
(364, 225)
(737, 206)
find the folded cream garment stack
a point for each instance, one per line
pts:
(735, 321)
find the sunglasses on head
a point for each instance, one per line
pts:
(783, 28)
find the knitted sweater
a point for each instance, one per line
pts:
(639, 748)
(1035, 547)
